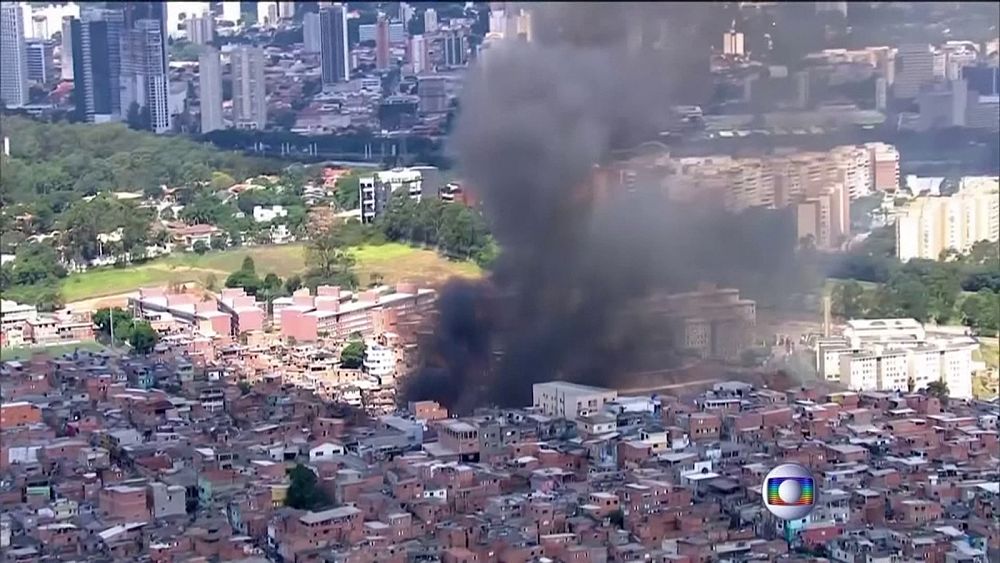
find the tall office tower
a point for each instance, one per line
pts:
(217, 9)
(97, 38)
(382, 42)
(311, 35)
(144, 77)
(210, 86)
(200, 29)
(916, 68)
(157, 10)
(333, 44)
(419, 57)
(39, 54)
(430, 20)
(456, 52)
(286, 10)
(66, 51)
(13, 56)
(39, 27)
(249, 89)
(732, 43)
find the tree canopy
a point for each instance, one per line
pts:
(304, 492)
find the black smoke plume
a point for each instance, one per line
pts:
(565, 300)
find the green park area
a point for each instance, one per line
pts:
(391, 262)
(24, 353)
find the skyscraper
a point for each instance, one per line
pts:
(249, 90)
(382, 42)
(916, 68)
(210, 86)
(430, 20)
(144, 76)
(286, 10)
(311, 42)
(97, 61)
(66, 51)
(455, 48)
(13, 56)
(200, 29)
(333, 44)
(156, 10)
(418, 54)
(39, 56)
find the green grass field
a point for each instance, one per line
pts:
(393, 261)
(10, 354)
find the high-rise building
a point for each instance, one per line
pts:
(13, 56)
(334, 52)
(200, 29)
(915, 67)
(144, 76)
(397, 32)
(248, 12)
(419, 57)
(732, 43)
(40, 56)
(66, 50)
(430, 20)
(930, 225)
(286, 10)
(155, 10)
(210, 89)
(433, 94)
(311, 37)
(97, 62)
(382, 51)
(456, 50)
(249, 88)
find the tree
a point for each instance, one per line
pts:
(248, 265)
(218, 243)
(352, 356)
(211, 282)
(617, 518)
(293, 283)
(938, 389)
(304, 492)
(221, 181)
(200, 247)
(143, 337)
(347, 194)
(846, 299)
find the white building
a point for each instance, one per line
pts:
(732, 43)
(200, 29)
(896, 355)
(13, 56)
(417, 182)
(249, 89)
(210, 89)
(861, 332)
(380, 362)
(13, 314)
(570, 400)
(263, 214)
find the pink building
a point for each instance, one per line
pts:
(160, 307)
(245, 313)
(339, 314)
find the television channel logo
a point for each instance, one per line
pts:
(789, 491)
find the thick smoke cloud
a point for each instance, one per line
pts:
(566, 299)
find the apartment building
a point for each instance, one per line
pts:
(895, 355)
(821, 185)
(416, 182)
(929, 225)
(569, 400)
(161, 308)
(338, 316)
